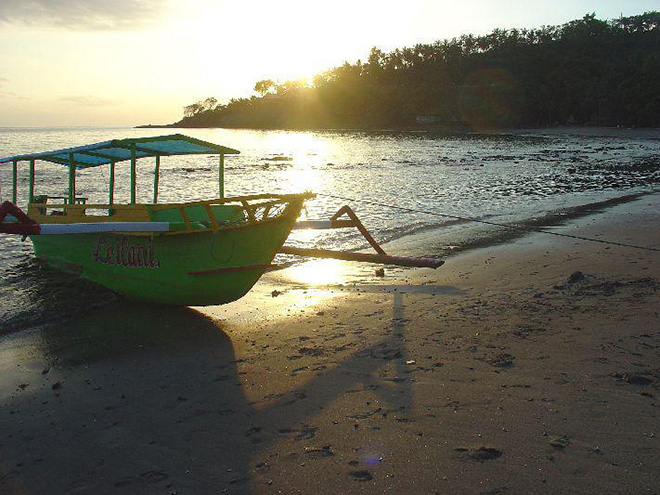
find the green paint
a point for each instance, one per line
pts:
(111, 192)
(156, 177)
(31, 192)
(14, 193)
(125, 143)
(221, 177)
(72, 180)
(133, 177)
(157, 268)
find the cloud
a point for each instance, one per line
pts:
(89, 101)
(12, 95)
(8, 94)
(82, 14)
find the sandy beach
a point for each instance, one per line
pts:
(526, 367)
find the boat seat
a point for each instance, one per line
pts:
(41, 199)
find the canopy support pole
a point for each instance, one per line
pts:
(14, 193)
(111, 193)
(31, 192)
(156, 178)
(221, 177)
(133, 185)
(72, 180)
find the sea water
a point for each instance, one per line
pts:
(404, 187)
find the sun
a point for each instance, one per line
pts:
(217, 48)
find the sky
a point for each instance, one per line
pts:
(131, 62)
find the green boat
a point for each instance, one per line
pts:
(194, 253)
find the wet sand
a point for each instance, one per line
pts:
(616, 132)
(503, 372)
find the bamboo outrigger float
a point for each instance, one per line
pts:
(193, 253)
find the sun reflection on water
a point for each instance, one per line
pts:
(319, 272)
(306, 151)
(307, 236)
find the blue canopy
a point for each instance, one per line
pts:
(117, 150)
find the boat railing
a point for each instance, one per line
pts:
(83, 212)
(195, 215)
(217, 213)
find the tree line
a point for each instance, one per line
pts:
(587, 71)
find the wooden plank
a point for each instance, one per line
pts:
(184, 216)
(237, 199)
(211, 215)
(382, 259)
(346, 210)
(323, 224)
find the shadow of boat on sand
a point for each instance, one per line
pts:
(152, 399)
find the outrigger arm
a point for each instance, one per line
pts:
(336, 223)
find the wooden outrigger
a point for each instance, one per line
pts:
(192, 253)
(380, 257)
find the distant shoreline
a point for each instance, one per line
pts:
(637, 133)
(596, 131)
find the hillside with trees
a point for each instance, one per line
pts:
(585, 72)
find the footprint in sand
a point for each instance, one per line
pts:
(305, 433)
(319, 453)
(360, 475)
(146, 477)
(480, 454)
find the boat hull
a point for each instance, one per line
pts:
(192, 268)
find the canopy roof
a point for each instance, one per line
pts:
(117, 150)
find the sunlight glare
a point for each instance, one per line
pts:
(306, 151)
(319, 272)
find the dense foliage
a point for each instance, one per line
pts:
(588, 71)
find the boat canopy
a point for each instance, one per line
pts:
(117, 150)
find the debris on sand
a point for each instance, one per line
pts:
(560, 442)
(639, 380)
(575, 277)
(502, 360)
(633, 378)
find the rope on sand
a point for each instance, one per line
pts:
(486, 222)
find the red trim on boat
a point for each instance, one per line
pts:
(26, 225)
